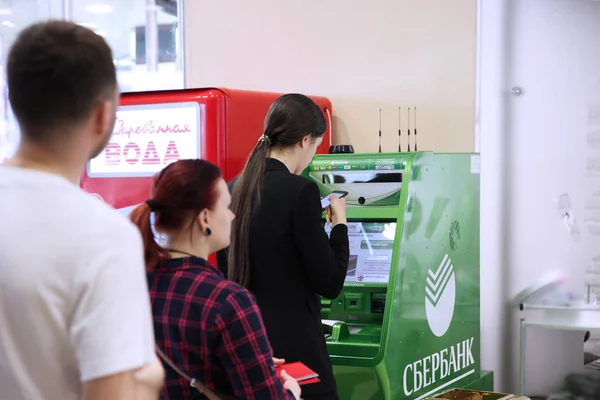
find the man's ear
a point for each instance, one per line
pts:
(103, 117)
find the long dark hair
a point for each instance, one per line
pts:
(290, 118)
(180, 192)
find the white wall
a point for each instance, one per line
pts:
(362, 55)
(534, 148)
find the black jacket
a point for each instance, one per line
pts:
(292, 263)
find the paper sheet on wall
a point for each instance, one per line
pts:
(593, 114)
(591, 214)
(592, 166)
(594, 266)
(593, 140)
(592, 280)
(591, 204)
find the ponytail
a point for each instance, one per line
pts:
(290, 118)
(245, 196)
(153, 253)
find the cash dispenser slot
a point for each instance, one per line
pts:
(378, 303)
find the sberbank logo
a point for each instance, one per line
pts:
(440, 295)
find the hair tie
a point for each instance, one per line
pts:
(152, 204)
(264, 139)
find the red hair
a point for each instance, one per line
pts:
(179, 193)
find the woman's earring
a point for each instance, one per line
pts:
(207, 232)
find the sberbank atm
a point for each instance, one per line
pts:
(406, 325)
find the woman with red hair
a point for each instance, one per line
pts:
(210, 328)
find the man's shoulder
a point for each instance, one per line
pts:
(101, 213)
(54, 201)
(102, 224)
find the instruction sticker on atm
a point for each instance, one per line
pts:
(146, 138)
(371, 248)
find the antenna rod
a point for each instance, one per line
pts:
(415, 128)
(409, 129)
(380, 130)
(399, 130)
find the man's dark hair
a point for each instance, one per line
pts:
(57, 72)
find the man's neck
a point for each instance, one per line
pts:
(35, 157)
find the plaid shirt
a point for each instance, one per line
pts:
(212, 329)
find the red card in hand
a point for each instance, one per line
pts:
(299, 372)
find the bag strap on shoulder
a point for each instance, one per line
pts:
(192, 381)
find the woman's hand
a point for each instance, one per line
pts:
(337, 210)
(291, 384)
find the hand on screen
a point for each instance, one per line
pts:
(337, 210)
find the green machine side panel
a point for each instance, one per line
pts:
(358, 383)
(485, 383)
(433, 342)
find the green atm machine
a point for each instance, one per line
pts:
(406, 325)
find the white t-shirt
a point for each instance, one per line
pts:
(74, 303)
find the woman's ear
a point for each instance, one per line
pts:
(305, 141)
(202, 220)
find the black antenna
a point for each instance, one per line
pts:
(399, 130)
(409, 129)
(415, 128)
(380, 130)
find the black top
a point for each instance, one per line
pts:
(292, 263)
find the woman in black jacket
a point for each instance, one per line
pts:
(279, 249)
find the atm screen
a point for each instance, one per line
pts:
(371, 248)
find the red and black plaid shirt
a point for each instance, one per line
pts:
(212, 329)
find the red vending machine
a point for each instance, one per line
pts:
(154, 129)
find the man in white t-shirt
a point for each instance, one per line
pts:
(75, 317)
